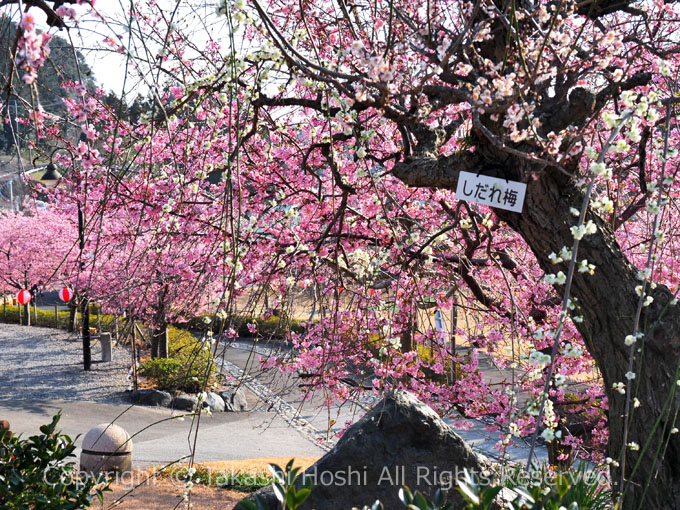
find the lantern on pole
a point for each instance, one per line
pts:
(65, 294)
(23, 296)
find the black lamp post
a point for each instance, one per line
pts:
(50, 178)
(51, 174)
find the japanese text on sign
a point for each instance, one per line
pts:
(491, 191)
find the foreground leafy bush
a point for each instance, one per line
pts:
(559, 493)
(290, 494)
(36, 473)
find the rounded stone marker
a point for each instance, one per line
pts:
(106, 448)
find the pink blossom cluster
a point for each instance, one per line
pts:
(33, 48)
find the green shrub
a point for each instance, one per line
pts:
(188, 364)
(290, 488)
(274, 327)
(36, 472)
(573, 490)
(163, 373)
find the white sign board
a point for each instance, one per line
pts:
(440, 326)
(439, 321)
(491, 191)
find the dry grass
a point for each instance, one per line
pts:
(257, 465)
(162, 493)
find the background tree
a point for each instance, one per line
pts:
(34, 245)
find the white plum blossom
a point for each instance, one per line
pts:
(549, 435)
(584, 267)
(560, 278)
(652, 208)
(554, 258)
(580, 231)
(600, 169)
(538, 358)
(591, 153)
(643, 274)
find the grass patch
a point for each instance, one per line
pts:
(242, 481)
(273, 327)
(243, 475)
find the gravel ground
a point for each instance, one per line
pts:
(47, 364)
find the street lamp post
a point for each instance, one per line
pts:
(50, 179)
(84, 301)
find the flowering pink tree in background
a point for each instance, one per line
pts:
(34, 247)
(318, 146)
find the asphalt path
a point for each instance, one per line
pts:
(317, 417)
(162, 437)
(285, 421)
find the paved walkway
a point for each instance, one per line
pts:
(311, 418)
(281, 425)
(160, 440)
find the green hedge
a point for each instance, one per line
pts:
(274, 327)
(48, 319)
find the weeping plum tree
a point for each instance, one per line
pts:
(317, 145)
(575, 99)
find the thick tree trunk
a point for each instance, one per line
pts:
(72, 307)
(159, 342)
(608, 302)
(87, 349)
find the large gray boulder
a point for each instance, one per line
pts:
(214, 402)
(401, 441)
(184, 402)
(235, 399)
(151, 398)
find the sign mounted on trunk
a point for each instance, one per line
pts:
(491, 191)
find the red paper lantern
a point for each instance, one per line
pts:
(23, 297)
(65, 294)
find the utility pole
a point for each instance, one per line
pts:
(17, 139)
